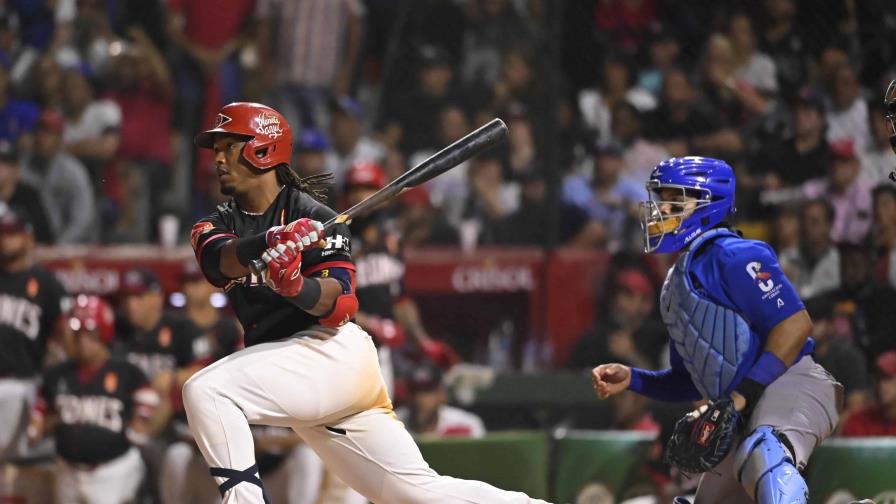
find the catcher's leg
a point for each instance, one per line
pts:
(766, 470)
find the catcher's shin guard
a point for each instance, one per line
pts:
(766, 470)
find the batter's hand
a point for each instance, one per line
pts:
(610, 379)
(303, 233)
(284, 269)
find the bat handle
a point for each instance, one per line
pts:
(257, 267)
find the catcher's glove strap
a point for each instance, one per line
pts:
(235, 477)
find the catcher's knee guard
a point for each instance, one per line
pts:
(766, 469)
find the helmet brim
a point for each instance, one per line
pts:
(206, 139)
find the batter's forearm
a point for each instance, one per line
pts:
(326, 290)
(229, 265)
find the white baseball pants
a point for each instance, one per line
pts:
(331, 392)
(113, 482)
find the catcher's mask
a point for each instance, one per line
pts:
(890, 103)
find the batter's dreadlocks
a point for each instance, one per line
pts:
(314, 185)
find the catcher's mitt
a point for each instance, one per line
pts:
(700, 442)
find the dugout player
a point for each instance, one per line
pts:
(305, 365)
(738, 330)
(92, 404)
(31, 302)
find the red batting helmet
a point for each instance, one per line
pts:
(268, 136)
(365, 173)
(91, 313)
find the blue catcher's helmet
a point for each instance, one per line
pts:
(710, 181)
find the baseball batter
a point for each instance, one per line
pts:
(305, 365)
(92, 403)
(740, 338)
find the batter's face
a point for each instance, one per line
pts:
(234, 175)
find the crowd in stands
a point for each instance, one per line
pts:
(100, 100)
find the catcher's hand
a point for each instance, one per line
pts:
(703, 438)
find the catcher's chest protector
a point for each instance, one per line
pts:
(712, 339)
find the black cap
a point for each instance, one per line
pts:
(8, 152)
(810, 98)
(431, 55)
(139, 281)
(425, 378)
(607, 149)
(14, 220)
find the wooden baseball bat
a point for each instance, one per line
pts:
(475, 142)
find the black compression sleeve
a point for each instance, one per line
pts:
(250, 248)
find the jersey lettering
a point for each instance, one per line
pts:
(152, 364)
(762, 279)
(20, 314)
(105, 412)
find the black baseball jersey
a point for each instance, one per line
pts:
(93, 409)
(264, 314)
(30, 305)
(380, 270)
(166, 347)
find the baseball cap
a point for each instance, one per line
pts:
(51, 120)
(425, 378)
(348, 106)
(806, 96)
(843, 149)
(311, 140)
(366, 174)
(886, 364)
(8, 152)
(139, 281)
(635, 281)
(610, 148)
(14, 221)
(431, 55)
(191, 272)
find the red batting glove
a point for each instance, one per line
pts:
(385, 331)
(284, 269)
(440, 353)
(303, 233)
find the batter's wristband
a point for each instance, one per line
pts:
(250, 248)
(768, 368)
(308, 296)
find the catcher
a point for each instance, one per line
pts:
(740, 338)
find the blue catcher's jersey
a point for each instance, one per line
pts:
(719, 302)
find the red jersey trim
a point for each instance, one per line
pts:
(211, 239)
(331, 264)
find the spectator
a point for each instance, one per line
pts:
(847, 111)
(815, 267)
(786, 229)
(46, 80)
(22, 196)
(682, 124)
(419, 223)
(596, 105)
(625, 22)
(665, 49)
(609, 198)
(835, 350)
(412, 120)
(726, 85)
(878, 419)
(92, 131)
(310, 158)
(315, 54)
(884, 234)
(207, 36)
(784, 43)
(349, 143)
(847, 191)
(491, 199)
(628, 331)
(493, 29)
(17, 117)
(878, 160)
(142, 87)
(640, 154)
(63, 182)
(630, 413)
(755, 74)
(428, 413)
(530, 224)
(805, 154)
(15, 56)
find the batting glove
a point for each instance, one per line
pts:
(303, 233)
(284, 269)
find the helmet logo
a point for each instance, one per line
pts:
(268, 125)
(221, 119)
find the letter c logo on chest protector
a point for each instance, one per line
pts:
(761, 278)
